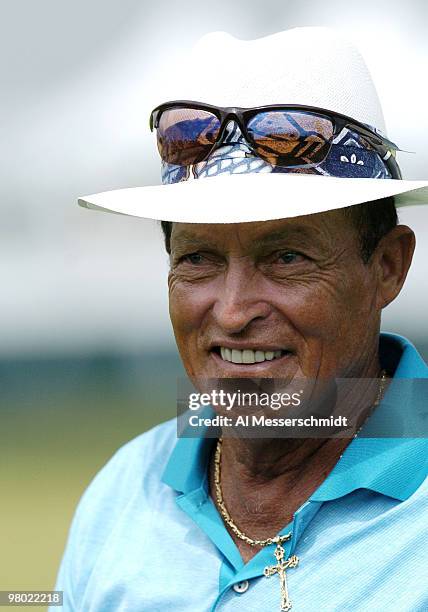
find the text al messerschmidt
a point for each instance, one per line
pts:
(262, 421)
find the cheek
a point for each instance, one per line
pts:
(331, 309)
(311, 311)
(188, 303)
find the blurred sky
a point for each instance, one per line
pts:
(78, 80)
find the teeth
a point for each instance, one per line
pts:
(236, 356)
(248, 355)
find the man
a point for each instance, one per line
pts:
(266, 523)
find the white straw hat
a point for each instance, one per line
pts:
(315, 67)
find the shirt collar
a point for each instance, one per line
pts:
(390, 466)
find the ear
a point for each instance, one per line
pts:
(393, 257)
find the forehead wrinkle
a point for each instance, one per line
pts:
(210, 234)
(278, 237)
(238, 233)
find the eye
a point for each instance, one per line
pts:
(192, 258)
(289, 257)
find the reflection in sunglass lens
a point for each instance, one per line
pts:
(185, 135)
(291, 138)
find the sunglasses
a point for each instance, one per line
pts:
(291, 136)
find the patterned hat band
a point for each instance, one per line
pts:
(349, 157)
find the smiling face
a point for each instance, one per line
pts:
(283, 299)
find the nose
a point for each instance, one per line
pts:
(240, 303)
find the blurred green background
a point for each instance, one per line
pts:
(61, 420)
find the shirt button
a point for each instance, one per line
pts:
(241, 587)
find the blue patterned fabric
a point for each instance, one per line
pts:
(350, 156)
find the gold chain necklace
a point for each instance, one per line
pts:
(279, 553)
(281, 564)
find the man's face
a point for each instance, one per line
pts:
(287, 298)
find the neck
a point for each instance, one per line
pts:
(259, 461)
(264, 482)
(277, 467)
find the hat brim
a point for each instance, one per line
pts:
(252, 197)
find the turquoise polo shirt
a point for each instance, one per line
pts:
(146, 536)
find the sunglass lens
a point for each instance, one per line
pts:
(185, 135)
(291, 138)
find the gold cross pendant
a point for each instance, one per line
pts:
(279, 569)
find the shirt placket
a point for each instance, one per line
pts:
(239, 578)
